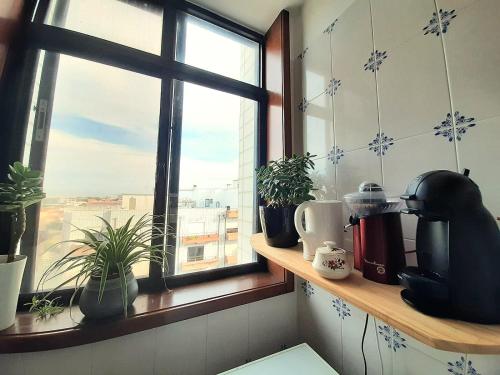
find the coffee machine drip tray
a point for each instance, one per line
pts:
(427, 306)
(427, 293)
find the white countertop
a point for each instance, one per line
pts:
(299, 360)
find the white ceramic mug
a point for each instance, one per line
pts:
(323, 222)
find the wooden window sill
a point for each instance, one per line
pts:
(150, 310)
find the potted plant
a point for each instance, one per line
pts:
(103, 261)
(22, 190)
(283, 184)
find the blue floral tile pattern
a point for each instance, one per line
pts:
(392, 337)
(380, 144)
(333, 86)
(307, 288)
(457, 367)
(303, 54)
(335, 154)
(471, 370)
(342, 308)
(462, 123)
(376, 59)
(445, 16)
(330, 27)
(302, 107)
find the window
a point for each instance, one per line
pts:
(97, 147)
(199, 41)
(132, 23)
(136, 116)
(218, 142)
(195, 253)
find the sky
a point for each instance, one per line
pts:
(104, 127)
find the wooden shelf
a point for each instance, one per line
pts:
(384, 302)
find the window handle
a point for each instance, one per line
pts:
(41, 120)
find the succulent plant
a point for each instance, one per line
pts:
(22, 190)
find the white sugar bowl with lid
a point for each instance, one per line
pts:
(331, 262)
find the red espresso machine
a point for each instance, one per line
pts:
(377, 233)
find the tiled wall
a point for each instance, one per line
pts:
(204, 345)
(389, 89)
(395, 88)
(334, 328)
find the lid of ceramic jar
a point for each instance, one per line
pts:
(328, 248)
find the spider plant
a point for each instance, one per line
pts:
(44, 308)
(108, 253)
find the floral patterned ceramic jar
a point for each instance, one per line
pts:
(331, 262)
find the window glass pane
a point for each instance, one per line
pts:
(99, 127)
(133, 23)
(212, 48)
(216, 179)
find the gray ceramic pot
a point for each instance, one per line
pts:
(111, 303)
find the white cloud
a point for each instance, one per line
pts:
(85, 167)
(207, 174)
(107, 94)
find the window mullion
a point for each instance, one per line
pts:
(162, 205)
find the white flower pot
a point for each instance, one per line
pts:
(11, 275)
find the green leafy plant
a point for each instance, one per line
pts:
(286, 181)
(107, 254)
(22, 190)
(45, 308)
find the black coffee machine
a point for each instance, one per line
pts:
(458, 250)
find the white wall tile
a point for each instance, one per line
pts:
(77, 358)
(454, 4)
(318, 126)
(394, 22)
(413, 88)
(482, 364)
(316, 66)
(411, 255)
(355, 102)
(323, 177)
(318, 14)
(473, 56)
(272, 325)
(352, 334)
(319, 323)
(12, 364)
(181, 347)
(413, 362)
(406, 159)
(478, 150)
(227, 339)
(126, 355)
(355, 167)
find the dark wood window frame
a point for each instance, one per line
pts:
(190, 295)
(53, 39)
